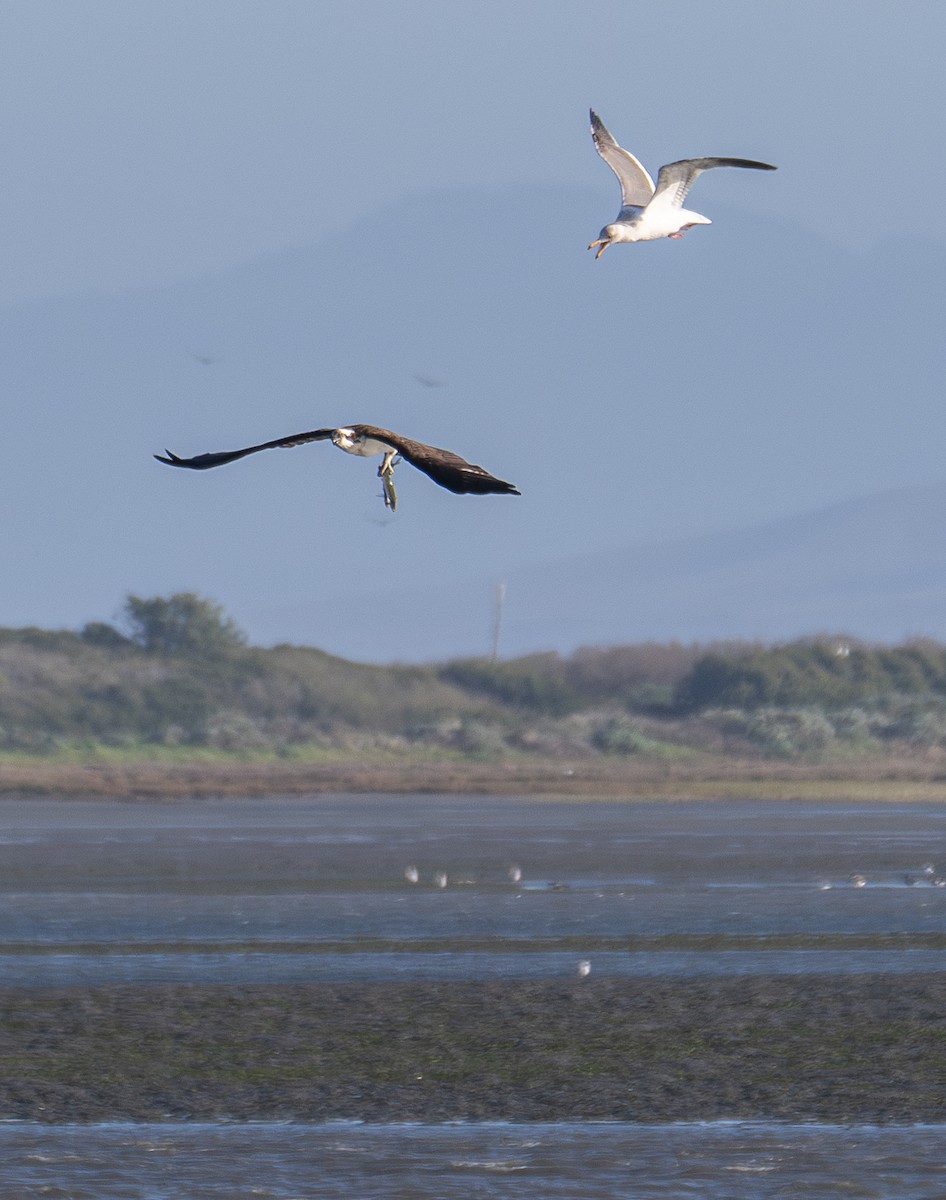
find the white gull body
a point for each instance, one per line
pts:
(648, 211)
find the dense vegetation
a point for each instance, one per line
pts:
(178, 672)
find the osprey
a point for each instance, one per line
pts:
(442, 466)
(648, 212)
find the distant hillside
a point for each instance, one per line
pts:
(875, 567)
(748, 371)
(176, 672)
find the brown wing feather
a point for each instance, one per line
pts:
(442, 466)
(201, 462)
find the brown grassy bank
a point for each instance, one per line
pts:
(867, 1048)
(920, 777)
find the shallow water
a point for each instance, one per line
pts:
(732, 1161)
(67, 970)
(314, 888)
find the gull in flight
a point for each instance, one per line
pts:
(442, 466)
(649, 212)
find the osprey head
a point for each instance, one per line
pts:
(343, 438)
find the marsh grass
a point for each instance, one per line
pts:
(177, 771)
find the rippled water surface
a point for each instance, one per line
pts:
(738, 1161)
(315, 888)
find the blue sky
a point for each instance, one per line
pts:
(246, 180)
(155, 141)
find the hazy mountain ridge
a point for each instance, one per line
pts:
(870, 568)
(747, 370)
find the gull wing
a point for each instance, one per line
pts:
(202, 462)
(442, 466)
(637, 187)
(675, 179)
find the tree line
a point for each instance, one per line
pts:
(177, 671)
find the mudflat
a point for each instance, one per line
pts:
(874, 777)
(866, 1048)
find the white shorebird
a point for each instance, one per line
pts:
(411, 874)
(440, 879)
(515, 873)
(584, 968)
(649, 212)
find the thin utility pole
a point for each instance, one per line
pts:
(498, 619)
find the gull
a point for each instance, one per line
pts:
(411, 874)
(649, 212)
(442, 466)
(584, 968)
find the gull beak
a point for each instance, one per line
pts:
(602, 246)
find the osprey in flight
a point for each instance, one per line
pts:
(442, 466)
(648, 212)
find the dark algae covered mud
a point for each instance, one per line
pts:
(864, 1048)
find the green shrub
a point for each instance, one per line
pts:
(828, 674)
(535, 683)
(617, 735)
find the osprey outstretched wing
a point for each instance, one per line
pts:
(201, 462)
(444, 467)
